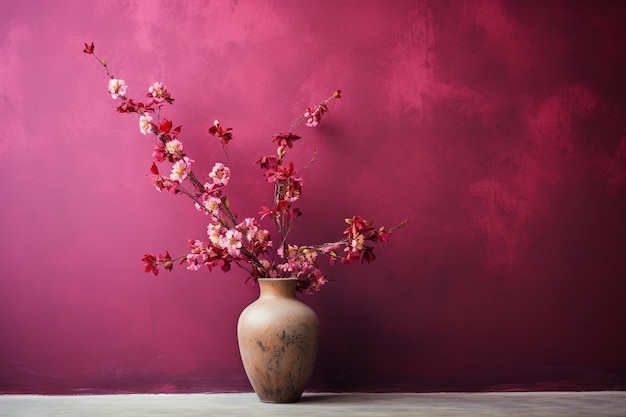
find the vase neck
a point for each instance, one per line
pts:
(278, 287)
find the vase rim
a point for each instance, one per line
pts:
(279, 279)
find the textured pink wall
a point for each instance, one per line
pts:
(497, 128)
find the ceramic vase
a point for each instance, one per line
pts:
(278, 339)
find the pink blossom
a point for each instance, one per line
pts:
(196, 246)
(258, 239)
(285, 268)
(212, 205)
(220, 174)
(145, 123)
(309, 255)
(231, 241)
(174, 147)
(214, 231)
(181, 169)
(197, 256)
(250, 227)
(158, 92)
(194, 262)
(262, 240)
(312, 116)
(212, 189)
(117, 88)
(316, 281)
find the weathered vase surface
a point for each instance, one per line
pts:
(278, 340)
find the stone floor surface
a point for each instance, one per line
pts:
(544, 404)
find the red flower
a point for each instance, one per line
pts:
(166, 260)
(151, 263)
(130, 106)
(351, 255)
(283, 207)
(268, 162)
(358, 225)
(281, 173)
(165, 126)
(160, 182)
(285, 139)
(159, 155)
(265, 211)
(224, 135)
(382, 236)
(127, 106)
(88, 48)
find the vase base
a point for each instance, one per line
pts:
(279, 401)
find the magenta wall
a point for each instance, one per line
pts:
(497, 128)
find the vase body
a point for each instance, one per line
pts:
(278, 338)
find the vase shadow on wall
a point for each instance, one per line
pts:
(356, 353)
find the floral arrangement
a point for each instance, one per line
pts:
(244, 243)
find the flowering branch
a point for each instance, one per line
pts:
(230, 241)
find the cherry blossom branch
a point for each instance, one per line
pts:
(244, 243)
(313, 114)
(89, 49)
